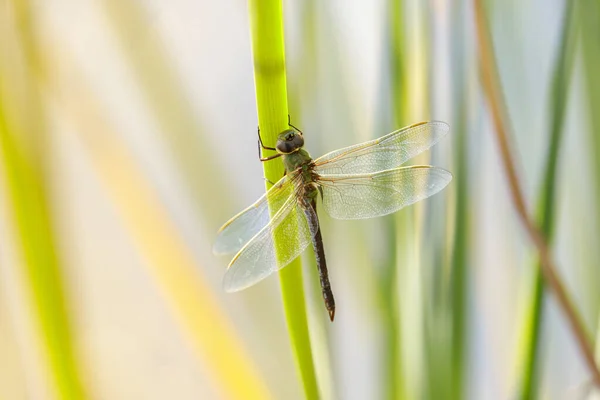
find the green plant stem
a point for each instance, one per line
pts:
(598, 341)
(459, 273)
(271, 99)
(588, 20)
(492, 91)
(393, 378)
(547, 200)
(459, 279)
(28, 200)
(24, 162)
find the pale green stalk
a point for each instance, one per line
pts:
(546, 205)
(459, 260)
(460, 255)
(597, 353)
(266, 24)
(492, 90)
(29, 206)
(24, 161)
(588, 19)
(393, 376)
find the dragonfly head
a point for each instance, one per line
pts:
(289, 141)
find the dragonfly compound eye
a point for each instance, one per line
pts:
(289, 141)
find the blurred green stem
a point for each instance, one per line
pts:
(266, 24)
(492, 90)
(588, 20)
(24, 161)
(393, 376)
(28, 198)
(546, 206)
(458, 285)
(392, 363)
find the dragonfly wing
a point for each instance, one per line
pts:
(381, 193)
(261, 256)
(241, 228)
(387, 152)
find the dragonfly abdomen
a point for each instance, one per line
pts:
(324, 278)
(310, 209)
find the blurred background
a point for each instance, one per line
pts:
(128, 136)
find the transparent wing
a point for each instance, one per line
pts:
(387, 152)
(380, 193)
(260, 257)
(241, 228)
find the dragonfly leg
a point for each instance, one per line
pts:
(260, 142)
(269, 158)
(290, 124)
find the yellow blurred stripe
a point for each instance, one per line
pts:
(176, 273)
(169, 261)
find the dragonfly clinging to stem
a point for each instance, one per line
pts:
(361, 181)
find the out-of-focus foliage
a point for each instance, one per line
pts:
(128, 134)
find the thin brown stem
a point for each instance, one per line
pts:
(491, 87)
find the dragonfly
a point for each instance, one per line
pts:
(366, 180)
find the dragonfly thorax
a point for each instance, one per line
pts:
(298, 159)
